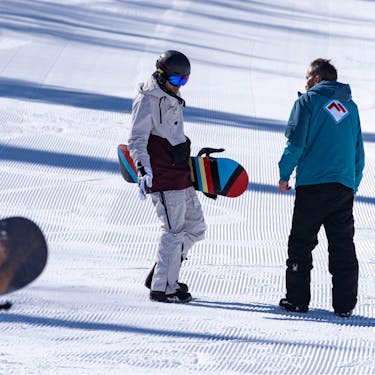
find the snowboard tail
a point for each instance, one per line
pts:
(127, 166)
(217, 176)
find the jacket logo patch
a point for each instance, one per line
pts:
(337, 110)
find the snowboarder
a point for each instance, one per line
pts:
(325, 144)
(161, 152)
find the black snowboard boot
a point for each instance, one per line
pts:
(181, 296)
(344, 314)
(151, 274)
(158, 296)
(289, 306)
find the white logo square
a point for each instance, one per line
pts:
(337, 110)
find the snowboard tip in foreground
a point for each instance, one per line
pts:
(23, 253)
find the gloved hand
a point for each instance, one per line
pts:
(144, 180)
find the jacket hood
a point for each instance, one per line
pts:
(333, 89)
(152, 88)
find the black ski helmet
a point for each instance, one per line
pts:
(173, 63)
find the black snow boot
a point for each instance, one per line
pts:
(150, 276)
(181, 296)
(158, 296)
(344, 314)
(289, 306)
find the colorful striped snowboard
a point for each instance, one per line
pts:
(218, 176)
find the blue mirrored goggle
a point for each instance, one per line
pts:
(178, 80)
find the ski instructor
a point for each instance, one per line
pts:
(161, 153)
(325, 144)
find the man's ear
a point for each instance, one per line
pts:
(317, 78)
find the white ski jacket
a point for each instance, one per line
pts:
(157, 113)
(157, 138)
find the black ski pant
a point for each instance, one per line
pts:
(330, 205)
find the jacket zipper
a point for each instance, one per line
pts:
(161, 119)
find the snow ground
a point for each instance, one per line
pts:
(68, 73)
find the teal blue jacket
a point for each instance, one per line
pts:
(324, 138)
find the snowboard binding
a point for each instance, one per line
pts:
(209, 150)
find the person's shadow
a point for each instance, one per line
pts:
(315, 315)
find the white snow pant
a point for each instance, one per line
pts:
(182, 225)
